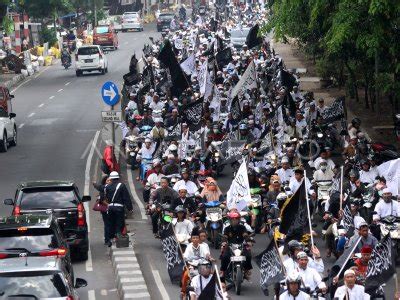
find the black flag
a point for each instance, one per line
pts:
(287, 80)
(223, 58)
(252, 39)
(172, 254)
(294, 217)
(131, 78)
(381, 266)
(192, 114)
(210, 50)
(209, 290)
(348, 220)
(236, 110)
(334, 112)
(178, 78)
(271, 268)
(174, 131)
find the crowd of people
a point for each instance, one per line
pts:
(181, 125)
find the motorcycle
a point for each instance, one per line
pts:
(132, 147)
(165, 216)
(391, 225)
(323, 195)
(65, 59)
(235, 270)
(214, 222)
(255, 207)
(368, 203)
(145, 165)
(383, 152)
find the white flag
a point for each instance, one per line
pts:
(188, 66)
(246, 82)
(391, 171)
(202, 77)
(239, 193)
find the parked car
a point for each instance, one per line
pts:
(131, 21)
(164, 20)
(33, 235)
(62, 199)
(8, 130)
(105, 36)
(90, 58)
(238, 36)
(37, 278)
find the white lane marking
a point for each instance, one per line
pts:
(21, 125)
(51, 97)
(41, 105)
(40, 73)
(103, 292)
(160, 284)
(91, 295)
(21, 84)
(31, 115)
(88, 147)
(89, 262)
(87, 177)
(67, 83)
(135, 196)
(60, 90)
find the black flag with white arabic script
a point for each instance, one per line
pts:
(334, 112)
(271, 268)
(253, 39)
(192, 114)
(381, 266)
(348, 220)
(172, 254)
(223, 58)
(236, 111)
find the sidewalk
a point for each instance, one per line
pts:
(11, 80)
(376, 125)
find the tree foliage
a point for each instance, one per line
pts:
(355, 41)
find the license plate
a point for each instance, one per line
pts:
(88, 60)
(238, 258)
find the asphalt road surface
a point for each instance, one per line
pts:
(59, 137)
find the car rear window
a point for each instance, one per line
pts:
(48, 198)
(38, 284)
(32, 239)
(88, 51)
(101, 30)
(166, 17)
(239, 33)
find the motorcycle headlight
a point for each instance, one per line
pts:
(320, 135)
(216, 154)
(237, 252)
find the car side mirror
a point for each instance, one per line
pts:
(79, 282)
(8, 202)
(86, 198)
(12, 115)
(12, 96)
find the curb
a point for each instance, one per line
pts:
(129, 278)
(14, 81)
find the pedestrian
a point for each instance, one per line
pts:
(102, 205)
(119, 199)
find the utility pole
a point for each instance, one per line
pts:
(95, 13)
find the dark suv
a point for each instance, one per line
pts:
(164, 21)
(30, 235)
(62, 200)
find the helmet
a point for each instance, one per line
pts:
(281, 197)
(114, 175)
(293, 277)
(233, 215)
(184, 170)
(180, 208)
(242, 126)
(172, 147)
(293, 245)
(354, 173)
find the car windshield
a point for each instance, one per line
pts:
(32, 239)
(88, 51)
(39, 285)
(101, 30)
(239, 33)
(48, 198)
(166, 17)
(131, 16)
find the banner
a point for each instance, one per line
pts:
(189, 65)
(246, 82)
(202, 77)
(266, 143)
(239, 192)
(172, 254)
(391, 171)
(223, 58)
(253, 39)
(271, 268)
(381, 266)
(192, 113)
(174, 131)
(334, 112)
(231, 151)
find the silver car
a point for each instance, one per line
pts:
(131, 21)
(37, 278)
(238, 36)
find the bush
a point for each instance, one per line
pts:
(48, 36)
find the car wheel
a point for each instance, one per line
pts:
(81, 255)
(14, 140)
(78, 73)
(103, 71)
(107, 70)
(3, 143)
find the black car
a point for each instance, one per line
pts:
(164, 21)
(37, 278)
(33, 235)
(62, 199)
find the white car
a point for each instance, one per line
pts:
(90, 58)
(131, 21)
(8, 130)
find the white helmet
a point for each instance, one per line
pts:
(172, 147)
(293, 277)
(114, 175)
(281, 197)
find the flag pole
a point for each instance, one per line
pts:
(279, 254)
(341, 187)
(347, 259)
(308, 212)
(219, 282)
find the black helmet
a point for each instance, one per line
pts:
(293, 245)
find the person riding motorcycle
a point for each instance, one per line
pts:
(291, 263)
(187, 203)
(182, 226)
(367, 176)
(310, 277)
(293, 284)
(191, 187)
(153, 179)
(245, 134)
(200, 282)
(235, 233)
(323, 173)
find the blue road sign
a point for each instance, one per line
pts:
(109, 93)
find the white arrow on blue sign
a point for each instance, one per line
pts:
(109, 93)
